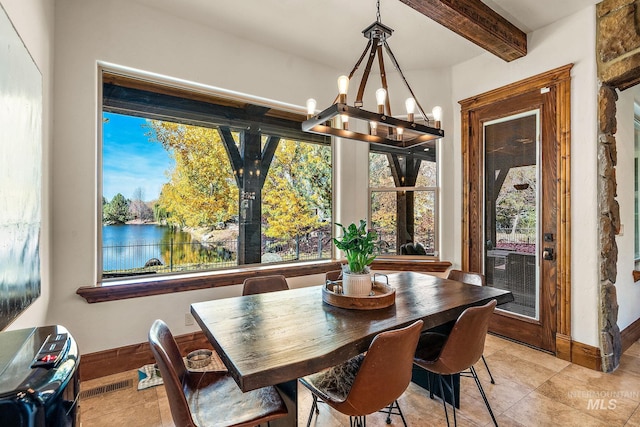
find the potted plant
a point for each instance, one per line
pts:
(357, 243)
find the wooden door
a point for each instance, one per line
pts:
(513, 158)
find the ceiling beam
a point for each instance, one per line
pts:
(477, 23)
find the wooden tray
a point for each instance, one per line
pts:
(384, 296)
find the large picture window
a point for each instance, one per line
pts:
(194, 183)
(403, 201)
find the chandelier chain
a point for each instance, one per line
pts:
(378, 18)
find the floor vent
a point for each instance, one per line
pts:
(103, 389)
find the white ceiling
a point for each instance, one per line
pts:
(329, 31)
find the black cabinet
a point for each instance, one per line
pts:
(38, 377)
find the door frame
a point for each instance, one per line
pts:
(558, 80)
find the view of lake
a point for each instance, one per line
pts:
(131, 246)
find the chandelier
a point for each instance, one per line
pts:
(380, 127)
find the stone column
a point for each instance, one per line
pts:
(618, 59)
(609, 226)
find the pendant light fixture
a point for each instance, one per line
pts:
(379, 127)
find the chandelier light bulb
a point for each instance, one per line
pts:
(345, 121)
(437, 116)
(403, 132)
(343, 87)
(410, 103)
(311, 107)
(373, 128)
(381, 96)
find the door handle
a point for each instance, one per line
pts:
(547, 254)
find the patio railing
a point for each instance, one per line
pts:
(170, 256)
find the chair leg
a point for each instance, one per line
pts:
(444, 401)
(488, 370)
(453, 401)
(314, 406)
(484, 396)
(404, 422)
(429, 385)
(393, 409)
(357, 421)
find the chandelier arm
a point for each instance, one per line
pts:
(355, 67)
(404, 79)
(383, 80)
(365, 75)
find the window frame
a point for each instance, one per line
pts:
(142, 286)
(284, 118)
(435, 189)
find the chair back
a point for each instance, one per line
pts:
(262, 284)
(465, 343)
(333, 275)
(167, 355)
(386, 369)
(467, 277)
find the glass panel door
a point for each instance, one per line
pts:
(511, 209)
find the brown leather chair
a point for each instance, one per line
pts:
(262, 284)
(208, 398)
(457, 352)
(333, 275)
(370, 382)
(476, 279)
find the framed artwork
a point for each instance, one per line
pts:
(20, 174)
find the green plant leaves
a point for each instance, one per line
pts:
(358, 245)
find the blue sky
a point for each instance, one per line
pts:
(130, 160)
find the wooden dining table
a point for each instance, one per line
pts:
(275, 338)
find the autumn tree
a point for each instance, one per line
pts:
(516, 208)
(296, 196)
(383, 203)
(201, 190)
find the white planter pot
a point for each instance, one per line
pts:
(356, 285)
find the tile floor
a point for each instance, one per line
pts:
(532, 389)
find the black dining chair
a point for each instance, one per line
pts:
(457, 352)
(476, 279)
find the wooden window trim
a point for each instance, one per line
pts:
(148, 286)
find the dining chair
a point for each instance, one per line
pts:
(457, 352)
(208, 398)
(333, 275)
(262, 284)
(476, 279)
(371, 381)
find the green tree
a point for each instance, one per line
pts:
(159, 214)
(201, 190)
(116, 211)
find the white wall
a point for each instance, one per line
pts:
(571, 40)
(128, 34)
(33, 20)
(132, 35)
(628, 291)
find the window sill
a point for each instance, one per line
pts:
(147, 286)
(424, 264)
